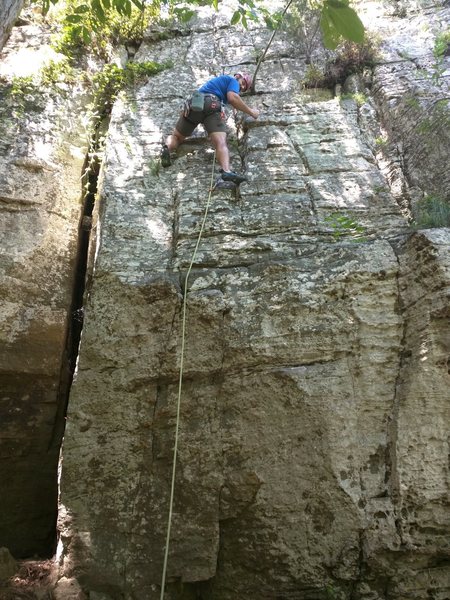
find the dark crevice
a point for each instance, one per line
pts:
(392, 476)
(91, 172)
(91, 169)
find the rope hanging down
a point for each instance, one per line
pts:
(180, 382)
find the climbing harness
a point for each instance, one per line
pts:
(180, 381)
(199, 102)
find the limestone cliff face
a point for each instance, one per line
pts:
(313, 458)
(43, 143)
(313, 451)
(9, 9)
(411, 87)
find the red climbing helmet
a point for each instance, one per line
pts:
(246, 77)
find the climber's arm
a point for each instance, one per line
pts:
(237, 103)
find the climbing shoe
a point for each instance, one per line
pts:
(220, 184)
(165, 157)
(233, 177)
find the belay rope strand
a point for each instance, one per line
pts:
(180, 382)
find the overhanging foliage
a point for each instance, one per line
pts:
(338, 20)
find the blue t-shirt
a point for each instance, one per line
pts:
(220, 86)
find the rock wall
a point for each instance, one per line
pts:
(314, 417)
(9, 10)
(313, 457)
(411, 85)
(420, 420)
(43, 143)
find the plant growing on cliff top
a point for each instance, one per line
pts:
(338, 20)
(350, 58)
(381, 142)
(432, 212)
(357, 97)
(55, 72)
(26, 93)
(81, 28)
(111, 80)
(23, 94)
(440, 50)
(314, 77)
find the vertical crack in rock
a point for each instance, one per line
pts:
(42, 150)
(392, 477)
(422, 273)
(175, 226)
(89, 179)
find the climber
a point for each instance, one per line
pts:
(206, 106)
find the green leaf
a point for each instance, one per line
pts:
(98, 11)
(338, 3)
(128, 8)
(236, 17)
(138, 4)
(273, 20)
(74, 18)
(330, 36)
(187, 15)
(106, 4)
(83, 8)
(269, 22)
(184, 14)
(345, 21)
(86, 35)
(119, 5)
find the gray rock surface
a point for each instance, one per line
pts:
(9, 11)
(68, 589)
(411, 85)
(314, 415)
(43, 143)
(313, 451)
(8, 566)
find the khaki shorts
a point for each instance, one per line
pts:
(213, 122)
